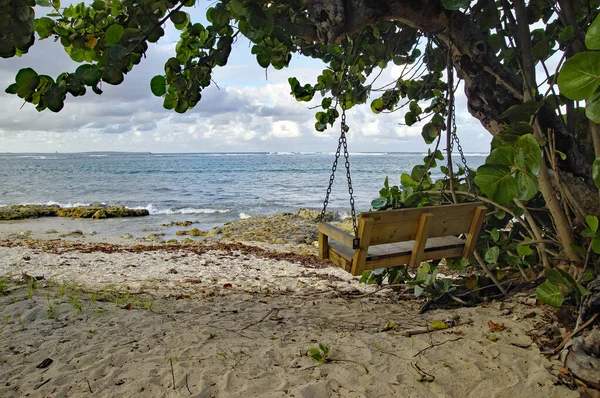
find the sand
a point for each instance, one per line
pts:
(231, 322)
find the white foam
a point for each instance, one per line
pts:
(186, 210)
(243, 216)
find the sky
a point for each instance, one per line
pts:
(249, 111)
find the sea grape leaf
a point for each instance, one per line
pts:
(592, 37)
(491, 255)
(555, 277)
(592, 109)
(497, 183)
(592, 222)
(580, 76)
(596, 172)
(158, 85)
(550, 294)
(113, 34)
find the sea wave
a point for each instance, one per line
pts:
(185, 210)
(243, 216)
(55, 203)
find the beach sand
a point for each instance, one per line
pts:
(233, 321)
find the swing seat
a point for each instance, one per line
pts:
(405, 236)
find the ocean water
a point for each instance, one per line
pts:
(208, 188)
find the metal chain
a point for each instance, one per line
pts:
(347, 164)
(454, 137)
(342, 142)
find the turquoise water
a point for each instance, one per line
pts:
(210, 188)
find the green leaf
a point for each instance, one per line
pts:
(113, 34)
(379, 203)
(522, 112)
(430, 132)
(583, 291)
(528, 186)
(158, 85)
(532, 151)
(555, 277)
(410, 119)
(455, 4)
(592, 221)
(497, 183)
(377, 105)
(524, 250)
(495, 234)
(54, 98)
(491, 255)
(592, 37)
(592, 109)
(550, 294)
(44, 27)
(596, 244)
(24, 75)
(178, 17)
(580, 76)
(596, 172)
(90, 75)
(503, 155)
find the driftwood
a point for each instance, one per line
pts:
(582, 365)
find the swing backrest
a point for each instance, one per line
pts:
(391, 226)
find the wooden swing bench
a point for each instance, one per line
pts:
(405, 236)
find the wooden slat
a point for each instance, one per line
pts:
(339, 260)
(420, 239)
(401, 225)
(403, 259)
(474, 231)
(365, 227)
(405, 248)
(323, 246)
(336, 233)
(341, 250)
(391, 255)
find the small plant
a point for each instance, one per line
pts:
(148, 305)
(6, 319)
(51, 311)
(3, 287)
(78, 308)
(428, 284)
(30, 287)
(21, 324)
(320, 354)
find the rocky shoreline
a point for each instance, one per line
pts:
(95, 211)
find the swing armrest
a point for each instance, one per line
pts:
(336, 234)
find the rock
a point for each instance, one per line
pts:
(100, 214)
(214, 232)
(77, 232)
(51, 231)
(127, 235)
(178, 223)
(181, 233)
(314, 215)
(196, 232)
(96, 210)
(92, 233)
